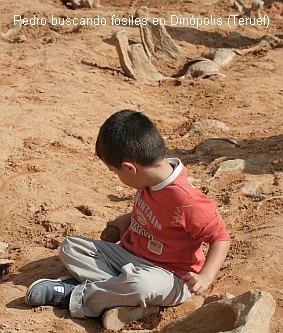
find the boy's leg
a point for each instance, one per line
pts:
(114, 277)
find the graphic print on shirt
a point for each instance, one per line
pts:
(145, 215)
(177, 216)
(141, 217)
(145, 211)
(155, 247)
(136, 227)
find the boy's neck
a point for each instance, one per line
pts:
(155, 174)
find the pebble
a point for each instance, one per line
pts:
(3, 246)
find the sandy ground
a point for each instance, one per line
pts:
(55, 93)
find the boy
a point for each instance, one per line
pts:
(159, 260)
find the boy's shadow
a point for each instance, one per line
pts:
(52, 268)
(49, 267)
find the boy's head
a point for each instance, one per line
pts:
(129, 135)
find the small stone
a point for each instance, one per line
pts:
(13, 34)
(204, 125)
(74, 4)
(251, 189)
(230, 166)
(4, 263)
(3, 246)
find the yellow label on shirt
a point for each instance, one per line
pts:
(154, 246)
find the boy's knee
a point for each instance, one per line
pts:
(66, 246)
(145, 282)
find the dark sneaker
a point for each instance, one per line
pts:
(115, 319)
(51, 292)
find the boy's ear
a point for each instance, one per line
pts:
(130, 167)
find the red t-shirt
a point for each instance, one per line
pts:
(170, 221)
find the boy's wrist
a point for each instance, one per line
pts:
(207, 276)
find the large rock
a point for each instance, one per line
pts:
(156, 40)
(133, 59)
(250, 312)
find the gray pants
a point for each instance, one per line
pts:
(111, 276)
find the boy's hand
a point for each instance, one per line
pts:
(197, 283)
(216, 254)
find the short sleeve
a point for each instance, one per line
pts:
(202, 221)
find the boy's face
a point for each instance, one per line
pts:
(127, 174)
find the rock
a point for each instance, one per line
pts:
(270, 42)
(255, 10)
(214, 298)
(115, 318)
(4, 264)
(221, 56)
(203, 68)
(13, 34)
(110, 234)
(51, 37)
(74, 4)
(215, 147)
(250, 312)
(133, 59)
(156, 40)
(203, 125)
(3, 246)
(229, 166)
(251, 189)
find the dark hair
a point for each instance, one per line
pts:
(129, 135)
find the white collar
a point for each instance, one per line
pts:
(177, 166)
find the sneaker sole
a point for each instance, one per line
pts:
(115, 319)
(60, 279)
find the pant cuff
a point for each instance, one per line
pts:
(76, 301)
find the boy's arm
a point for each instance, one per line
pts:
(199, 282)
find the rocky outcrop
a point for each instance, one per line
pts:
(250, 312)
(133, 59)
(156, 41)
